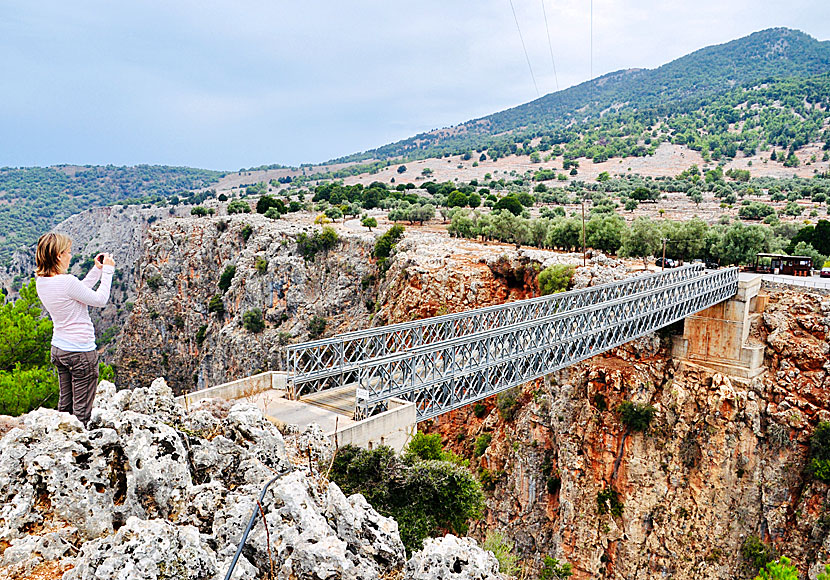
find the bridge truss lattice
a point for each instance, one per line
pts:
(449, 361)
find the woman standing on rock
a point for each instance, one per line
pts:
(67, 299)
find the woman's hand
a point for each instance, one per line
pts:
(108, 261)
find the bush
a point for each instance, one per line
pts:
(479, 410)
(502, 549)
(556, 278)
(552, 569)
(482, 443)
(608, 500)
(636, 416)
(216, 305)
(199, 211)
(820, 451)
(105, 372)
(507, 403)
(252, 321)
(426, 447)
(154, 281)
(261, 265)
(200, 334)
(426, 498)
(267, 202)
(316, 327)
(386, 242)
(780, 570)
(756, 553)
(246, 231)
(227, 277)
(238, 206)
(322, 241)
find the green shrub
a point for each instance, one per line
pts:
(246, 231)
(261, 265)
(316, 327)
(608, 500)
(479, 410)
(507, 402)
(552, 569)
(426, 498)
(216, 305)
(273, 213)
(636, 416)
(238, 206)
(105, 372)
(556, 278)
(826, 574)
(423, 446)
(502, 549)
(322, 241)
(200, 334)
(252, 321)
(820, 451)
(227, 277)
(386, 242)
(199, 211)
(154, 281)
(482, 442)
(756, 553)
(780, 570)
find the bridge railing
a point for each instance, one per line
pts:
(457, 372)
(326, 363)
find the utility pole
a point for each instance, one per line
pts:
(583, 229)
(663, 264)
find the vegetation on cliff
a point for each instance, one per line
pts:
(424, 494)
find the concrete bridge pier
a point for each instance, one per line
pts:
(719, 337)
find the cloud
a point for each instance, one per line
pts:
(226, 85)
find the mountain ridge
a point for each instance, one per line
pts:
(773, 53)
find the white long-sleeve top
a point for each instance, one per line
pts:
(67, 300)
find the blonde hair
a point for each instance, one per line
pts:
(49, 247)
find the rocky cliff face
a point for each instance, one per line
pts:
(723, 459)
(172, 331)
(153, 491)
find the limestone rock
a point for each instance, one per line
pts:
(146, 550)
(451, 558)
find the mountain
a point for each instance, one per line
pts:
(36, 198)
(775, 53)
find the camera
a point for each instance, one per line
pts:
(99, 258)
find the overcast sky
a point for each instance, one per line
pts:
(224, 85)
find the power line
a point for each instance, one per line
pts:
(550, 46)
(524, 48)
(591, 79)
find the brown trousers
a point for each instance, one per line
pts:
(78, 378)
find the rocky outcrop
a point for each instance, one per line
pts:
(722, 460)
(152, 491)
(173, 332)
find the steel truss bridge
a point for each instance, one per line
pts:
(450, 361)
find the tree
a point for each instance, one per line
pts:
(334, 213)
(641, 240)
(369, 222)
(27, 380)
(457, 199)
(238, 206)
(510, 203)
(605, 233)
(474, 200)
(402, 169)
